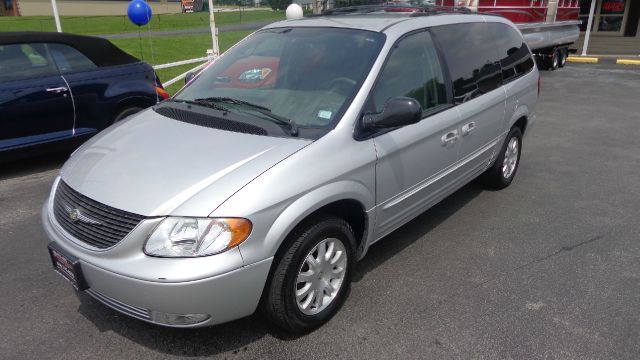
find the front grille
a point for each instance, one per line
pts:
(89, 221)
(134, 311)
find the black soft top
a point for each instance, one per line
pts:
(101, 51)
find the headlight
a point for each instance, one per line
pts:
(189, 237)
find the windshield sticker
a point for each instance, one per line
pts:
(325, 114)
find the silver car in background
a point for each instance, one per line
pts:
(263, 181)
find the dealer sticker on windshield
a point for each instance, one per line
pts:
(325, 114)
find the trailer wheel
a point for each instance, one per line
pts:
(555, 60)
(563, 57)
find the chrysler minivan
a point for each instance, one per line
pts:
(265, 179)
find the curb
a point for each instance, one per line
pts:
(595, 60)
(627, 62)
(583, 59)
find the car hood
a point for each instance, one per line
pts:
(153, 166)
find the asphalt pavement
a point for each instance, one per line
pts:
(548, 268)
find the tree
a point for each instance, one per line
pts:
(279, 4)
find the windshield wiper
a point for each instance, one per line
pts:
(202, 102)
(281, 120)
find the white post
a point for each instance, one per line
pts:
(56, 16)
(588, 32)
(214, 32)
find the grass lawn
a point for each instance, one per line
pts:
(165, 49)
(98, 25)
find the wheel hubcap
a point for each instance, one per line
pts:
(321, 276)
(510, 158)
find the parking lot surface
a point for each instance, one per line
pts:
(548, 268)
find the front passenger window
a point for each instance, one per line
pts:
(24, 61)
(413, 70)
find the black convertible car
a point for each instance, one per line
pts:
(58, 89)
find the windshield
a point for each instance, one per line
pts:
(300, 77)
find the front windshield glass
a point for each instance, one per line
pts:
(306, 76)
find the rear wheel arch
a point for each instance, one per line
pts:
(521, 123)
(141, 102)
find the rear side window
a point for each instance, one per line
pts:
(24, 61)
(474, 65)
(514, 54)
(69, 59)
(412, 70)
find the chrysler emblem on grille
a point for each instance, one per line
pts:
(75, 215)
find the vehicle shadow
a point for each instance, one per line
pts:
(232, 337)
(33, 165)
(415, 229)
(237, 335)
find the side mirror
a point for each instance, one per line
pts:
(189, 76)
(397, 111)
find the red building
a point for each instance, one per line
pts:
(611, 17)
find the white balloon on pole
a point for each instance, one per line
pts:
(294, 12)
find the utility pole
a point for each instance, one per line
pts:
(214, 32)
(56, 17)
(587, 33)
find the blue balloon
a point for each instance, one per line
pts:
(139, 12)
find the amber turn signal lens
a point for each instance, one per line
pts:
(240, 229)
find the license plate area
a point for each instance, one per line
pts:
(68, 266)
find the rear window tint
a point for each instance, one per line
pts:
(470, 53)
(514, 54)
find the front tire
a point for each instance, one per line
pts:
(501, 173)
(312, 277)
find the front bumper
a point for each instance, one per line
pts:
(223, 298)
(219, 286)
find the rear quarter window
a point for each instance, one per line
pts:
(515, 57)
(69, 59)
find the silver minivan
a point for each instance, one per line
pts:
(266, 178)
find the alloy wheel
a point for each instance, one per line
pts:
(321, 276)
(510, 158)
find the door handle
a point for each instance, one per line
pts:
(449, 138)
(468, 128)
(57, 90)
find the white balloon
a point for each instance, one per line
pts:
(294, 11)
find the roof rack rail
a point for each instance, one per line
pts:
(394, 7)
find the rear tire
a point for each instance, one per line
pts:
(296, 279)
(123, 114)
(501, 173)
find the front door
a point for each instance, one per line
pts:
(414, 162)
(35, 104)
